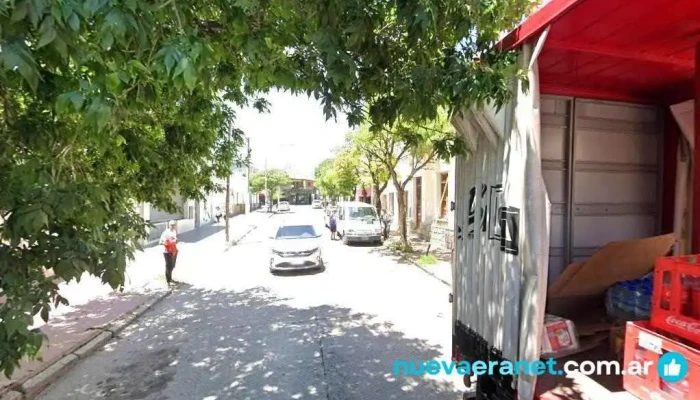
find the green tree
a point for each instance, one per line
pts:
(277, 180)
(324, 179)
(372, 172)
(339, 176)
(346, 173)
(104, 104)
(417, 145)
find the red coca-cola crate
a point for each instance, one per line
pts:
(643, 343)
(676, 299)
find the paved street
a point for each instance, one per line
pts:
(237, 332)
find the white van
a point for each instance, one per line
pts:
(359, 222)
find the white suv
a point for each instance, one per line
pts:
(283, 206)
(316, 204)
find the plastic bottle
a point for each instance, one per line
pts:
(639, 301)
(627, 299)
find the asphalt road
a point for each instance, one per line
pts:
(237, 332)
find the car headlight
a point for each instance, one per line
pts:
(350, 231)
(279, 253)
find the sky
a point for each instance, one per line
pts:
(293, 136)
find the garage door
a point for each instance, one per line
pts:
(602, 158)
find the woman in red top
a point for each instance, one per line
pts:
(169, 241)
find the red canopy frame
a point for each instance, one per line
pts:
(641, 51)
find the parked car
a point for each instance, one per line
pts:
(283, 206)
(359, 222)
(316, 204)
(295, 247)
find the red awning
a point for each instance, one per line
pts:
(627, 50)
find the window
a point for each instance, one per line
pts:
(443, 194)
(296, 232)
(360, 213)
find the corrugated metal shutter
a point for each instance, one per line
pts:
(614, 184)
(616, 174)
(555, 122)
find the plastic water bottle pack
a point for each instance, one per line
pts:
(630, 300)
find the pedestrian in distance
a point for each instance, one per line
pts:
(168, 239)
(333, 225)
(218, 214)
(386, 222)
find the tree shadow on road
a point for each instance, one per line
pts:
(200, 233)
(251, 345)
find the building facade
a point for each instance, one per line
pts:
(192, 214)
(429, 196)
(301, 191)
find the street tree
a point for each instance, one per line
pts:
(346, 172)
(372, 172)
(106, 104)
(324, 179)
(412, 146)
(339, 176)
(275, 180)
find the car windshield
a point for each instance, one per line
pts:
(296, 232)
(361, 213)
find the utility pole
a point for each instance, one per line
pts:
(228, 197)
(250, 198)
(267, 195)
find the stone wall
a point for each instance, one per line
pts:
(441, 235)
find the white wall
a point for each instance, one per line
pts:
(430, 196)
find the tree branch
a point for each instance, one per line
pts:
(417, 168)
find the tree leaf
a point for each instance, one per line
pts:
(61, 48)
(20, 11)
(74, 22)
(107, 40)
(169, 61)
(181, 66)
(64, 269)
(47, 37)
(45, 313)
(190, 76)
(113, 81)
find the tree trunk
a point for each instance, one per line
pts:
(402, 215)
(377, 199)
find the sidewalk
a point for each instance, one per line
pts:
(95, 310)
(441, 270)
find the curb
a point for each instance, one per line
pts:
(33, 386)
(233, 243)
(431, 273)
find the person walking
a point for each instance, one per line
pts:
(386, 221)
(168, 239)
(333, 224)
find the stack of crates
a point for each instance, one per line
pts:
(674, 327)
